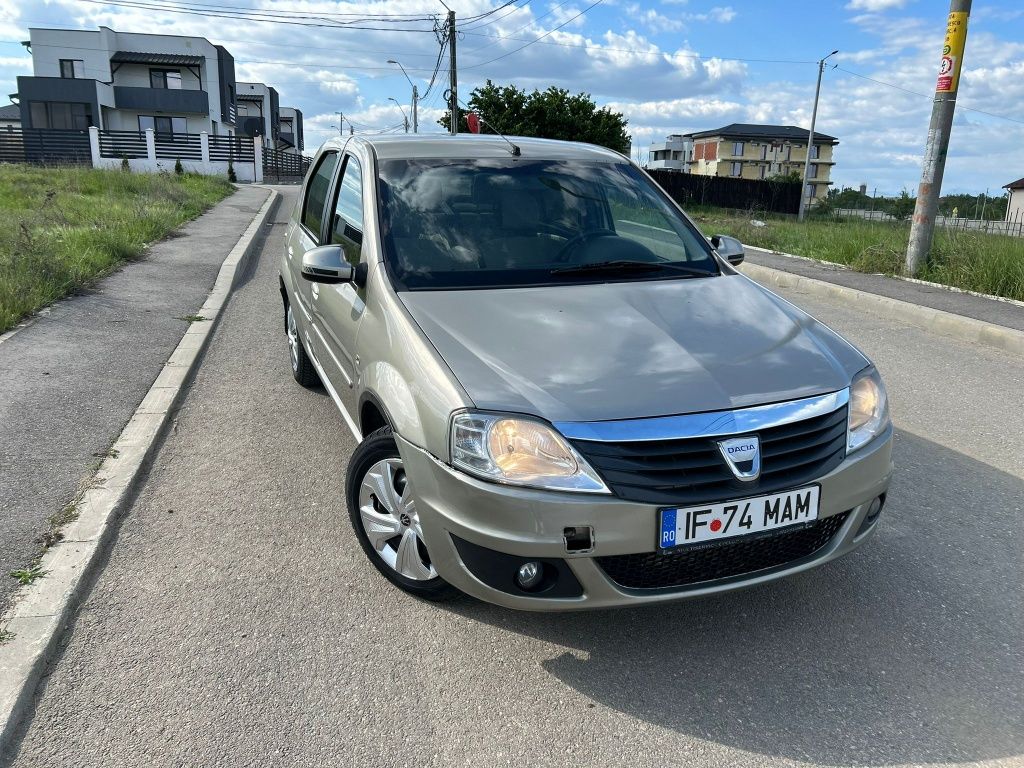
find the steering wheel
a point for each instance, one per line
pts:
(581, 238)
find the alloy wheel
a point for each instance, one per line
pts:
(293, 339)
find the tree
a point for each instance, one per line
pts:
(550, 114)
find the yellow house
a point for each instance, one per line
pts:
(748, 151)
(1015, 205)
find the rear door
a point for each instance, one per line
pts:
(309, 232)
(338, 309)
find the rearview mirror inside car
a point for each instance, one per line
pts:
(326, 264)
(729, 248)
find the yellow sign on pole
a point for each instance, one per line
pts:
(952, 53)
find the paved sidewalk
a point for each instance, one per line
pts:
(1004, 313)
(70, 381)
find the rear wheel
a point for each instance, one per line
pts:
(302, 366)
(382, 508)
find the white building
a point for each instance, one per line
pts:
(124, 81)
(1015, 205)
(672, 154)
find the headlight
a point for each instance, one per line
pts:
(521, 451)
(869, 409)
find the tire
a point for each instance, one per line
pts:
(302, 366)
(383, 514)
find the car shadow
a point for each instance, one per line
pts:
(907, 651)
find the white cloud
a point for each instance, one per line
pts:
(874, 6)
(722, 15)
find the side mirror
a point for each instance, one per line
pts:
(729, 248)
(326, 264)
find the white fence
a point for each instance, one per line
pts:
(147, 151)
(1013, 228)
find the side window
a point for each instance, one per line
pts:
(316, 195)
(347, 224)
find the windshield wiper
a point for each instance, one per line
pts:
(624, 265)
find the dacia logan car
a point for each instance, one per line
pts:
(565, 395)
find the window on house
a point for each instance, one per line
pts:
(764, 152)
(60, 115)
(737, 169)
(737, 148)
(72, 68)
(165, 78)
(163, 124)
(811, 189)
(815, 151)
(762, 171)
(812, 171)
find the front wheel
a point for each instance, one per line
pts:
(382, 508)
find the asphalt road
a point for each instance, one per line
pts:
(236, 622)
(70, 381)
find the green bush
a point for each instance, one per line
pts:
(177, 167)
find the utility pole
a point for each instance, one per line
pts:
(922, 230)
(415, 97)
(454, 79)
(341, 126)
(810, 138)
(415, 109)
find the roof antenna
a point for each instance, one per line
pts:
(516, 152)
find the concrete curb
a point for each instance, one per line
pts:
(43, 609)
(946, 323)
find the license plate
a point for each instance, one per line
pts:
(713, 522)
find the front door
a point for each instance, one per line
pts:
(308, 233)
(338, 309)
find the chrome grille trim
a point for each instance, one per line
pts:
(712, 424)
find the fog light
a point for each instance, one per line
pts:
(873, 513)
(529, 575)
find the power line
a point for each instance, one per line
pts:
(926, 95)
(476, 25)
(520, 29)
(261, 18)
(549, 32)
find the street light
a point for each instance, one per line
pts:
(810, 136)
(404, 116)
(415, 97)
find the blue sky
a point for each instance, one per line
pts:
(669, 65)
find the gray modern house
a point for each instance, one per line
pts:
(260, 114)
(124, 81)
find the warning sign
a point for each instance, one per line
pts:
(952, 53)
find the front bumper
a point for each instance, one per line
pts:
(530, 523)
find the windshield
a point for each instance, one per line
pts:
(514, 222)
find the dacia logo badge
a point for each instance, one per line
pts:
(743, 456)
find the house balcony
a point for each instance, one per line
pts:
(666, 165)
(162, 100)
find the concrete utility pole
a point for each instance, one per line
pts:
(341, 123)
(810, 138)
(454, 79)
(922, 229)
(405, 117)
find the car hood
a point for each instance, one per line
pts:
(625, 350)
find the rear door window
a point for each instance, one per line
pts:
(316, 195)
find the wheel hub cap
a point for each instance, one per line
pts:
(293, 340)
(388, 514)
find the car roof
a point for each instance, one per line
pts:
(471, 146)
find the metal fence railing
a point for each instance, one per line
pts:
(178, 146)
(46, 146)
(232, 148)
(124, 144)
(284, 164)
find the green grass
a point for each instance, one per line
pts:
(62, 228)
(26, 576)
(992, 264)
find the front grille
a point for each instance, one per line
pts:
(733, 557)
(692, 471)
